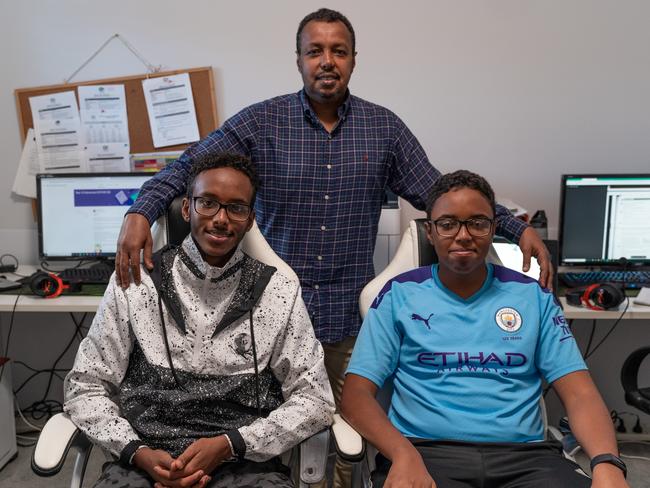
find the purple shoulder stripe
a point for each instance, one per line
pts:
(417, 275)
(506, 275)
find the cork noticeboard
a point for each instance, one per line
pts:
(139, 129)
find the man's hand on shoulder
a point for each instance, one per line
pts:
(532, 245)
(135, 235)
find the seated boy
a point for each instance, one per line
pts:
(467, 345)
(211, 359)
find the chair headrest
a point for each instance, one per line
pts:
(177, 228)
(426, 254)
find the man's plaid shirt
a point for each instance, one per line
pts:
(321, 193)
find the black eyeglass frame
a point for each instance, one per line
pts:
(219, 206)
(461, 223)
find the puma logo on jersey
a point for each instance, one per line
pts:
(422, 319)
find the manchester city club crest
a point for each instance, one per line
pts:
(508, 319)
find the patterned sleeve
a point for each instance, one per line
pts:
(297, 362)
(236, 135)
(508, 225)
(411, 175)
(557, 353)
(376, 350)
(98, 370)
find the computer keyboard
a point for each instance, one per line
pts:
(97, 275)
(630, 279)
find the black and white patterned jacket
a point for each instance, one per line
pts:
(137, 379)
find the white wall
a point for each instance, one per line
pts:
(519, 90)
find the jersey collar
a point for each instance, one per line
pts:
(451, 294)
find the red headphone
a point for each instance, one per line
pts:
(47, 285)
(599, 296)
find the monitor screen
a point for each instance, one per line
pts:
(80, 214)
(604, 218)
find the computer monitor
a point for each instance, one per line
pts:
(80, 214)
(604, 218)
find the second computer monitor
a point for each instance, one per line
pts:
(604, 218)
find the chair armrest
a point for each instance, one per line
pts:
(349, 444)
(57, 437)
(313, 457)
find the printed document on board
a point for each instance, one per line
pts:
(170, 106)
(105, 128)
(103, 114)
(58, 132)
(112, 157)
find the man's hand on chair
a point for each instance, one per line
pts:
(157, 463)
(409, 471)
(202, 456)
(135, 235)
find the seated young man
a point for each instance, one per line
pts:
(209, 369)
(467, 345)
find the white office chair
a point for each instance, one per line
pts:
(59, 435)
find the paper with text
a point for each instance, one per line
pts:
(170, 106)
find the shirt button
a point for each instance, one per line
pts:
(320, 258)
(322, 227)
(329, 166)
(327, 197)
(316, 287)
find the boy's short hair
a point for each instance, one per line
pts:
(460, 179)
(223, 160)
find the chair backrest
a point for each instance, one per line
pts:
(172, 229)
(414, 250)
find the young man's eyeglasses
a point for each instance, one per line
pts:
(208, 207)
(450, 227)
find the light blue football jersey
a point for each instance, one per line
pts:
(468, 370)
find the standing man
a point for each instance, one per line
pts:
(325, 158)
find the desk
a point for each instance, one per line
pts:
(634, 311)
(30, 303)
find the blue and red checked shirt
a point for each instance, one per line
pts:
(321, 193)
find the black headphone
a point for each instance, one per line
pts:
(47, 285)
(599, 296)
(635, 396)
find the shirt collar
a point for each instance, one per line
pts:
(343, 109)
(194, 261)
(486, 284)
